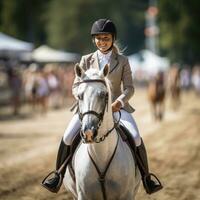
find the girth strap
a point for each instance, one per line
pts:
(102, 175)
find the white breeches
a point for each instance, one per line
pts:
(126, 120)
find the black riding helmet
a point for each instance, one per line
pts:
(102, 26)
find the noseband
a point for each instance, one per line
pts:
(98, 115)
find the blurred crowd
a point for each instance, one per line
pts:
(187, 78)
(171, 84)
(42, 88)
(49, 87)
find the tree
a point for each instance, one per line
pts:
(66, 24)
(179, 30)
(24, 19)
(69, 23)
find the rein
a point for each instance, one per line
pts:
(102, 138)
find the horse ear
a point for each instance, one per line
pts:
(105, 70)
(78, 70)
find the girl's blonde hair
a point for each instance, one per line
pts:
(117, 49)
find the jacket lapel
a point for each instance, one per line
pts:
(94, 61)
(113, 62)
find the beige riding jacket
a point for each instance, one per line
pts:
(120, 76)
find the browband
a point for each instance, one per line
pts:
(89, 81)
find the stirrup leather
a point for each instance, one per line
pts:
(54, 190)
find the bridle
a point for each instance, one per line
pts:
(98, 115)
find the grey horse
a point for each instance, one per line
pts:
(103, 164)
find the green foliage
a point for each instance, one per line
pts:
(70, 21)
(66, 24)
(7, 15)
(179, 30)
(23, 19)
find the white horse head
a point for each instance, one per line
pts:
(103, 164)
(94, 98)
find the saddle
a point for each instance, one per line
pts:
(127, 138)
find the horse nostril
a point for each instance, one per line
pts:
(94, 130)
(88, 135)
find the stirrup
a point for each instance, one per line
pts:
(57, 188)
(147, 188)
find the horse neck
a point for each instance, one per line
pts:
(102, 152)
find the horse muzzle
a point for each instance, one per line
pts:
(88, 135)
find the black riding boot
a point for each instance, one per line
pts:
(149, 184)
(54, 183)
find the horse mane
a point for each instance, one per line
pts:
(108, 85)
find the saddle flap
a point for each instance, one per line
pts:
(127, 138)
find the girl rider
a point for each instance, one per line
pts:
(104, 34)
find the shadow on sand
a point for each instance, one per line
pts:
(7, 115)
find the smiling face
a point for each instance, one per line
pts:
(103, 42)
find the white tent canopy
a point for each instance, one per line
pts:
(8, 43)
(146, 64)
(47, 54)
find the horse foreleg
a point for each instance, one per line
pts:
(153, 111)
(157, 111)
(160, 110)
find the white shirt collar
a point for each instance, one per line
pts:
(104, 56)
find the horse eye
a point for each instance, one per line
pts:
(102, 94)
(80, 96)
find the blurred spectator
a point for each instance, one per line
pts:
(15, 84)
(42, 90)
(185, 79)
(174, 85)
(196, 79)
(30, 84)
(54, 87)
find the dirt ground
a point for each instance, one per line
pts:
(28, 145)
